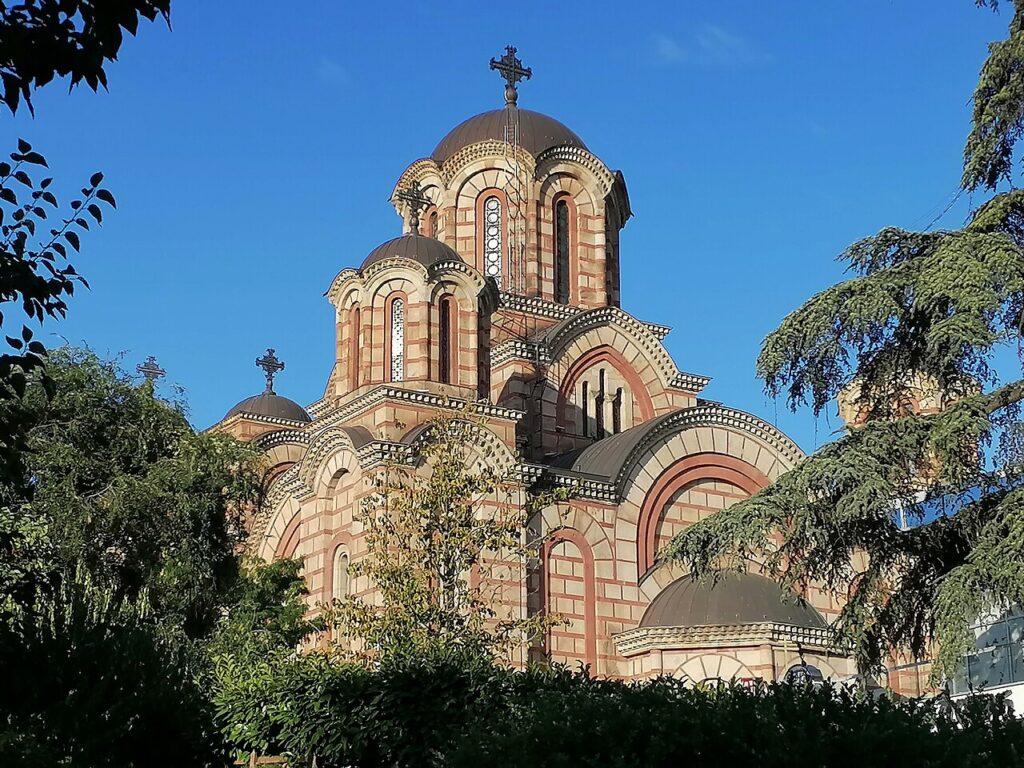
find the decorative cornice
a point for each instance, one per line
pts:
(517, 349)
(691, 382)
(643, 639)
(660, 331)
(430, 273)
(489, 149)
(391, 262)
(582, 158)
(292, 423)
(269, 440)
(536, 306)
(541, 351)
(710, 415)
(385, 392)
(642, 335)
(319, 408)
(419, 170)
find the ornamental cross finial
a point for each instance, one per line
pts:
(151, 370)
(413, 197)
(271, 367)
(512, 69)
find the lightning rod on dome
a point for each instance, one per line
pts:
(512, 70)
(271, 367)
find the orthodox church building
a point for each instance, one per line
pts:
(503, 291)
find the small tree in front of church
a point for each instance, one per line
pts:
(447, 550)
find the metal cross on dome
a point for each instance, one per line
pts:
(512, 69)
(271, 367)
(417, 201)
(151, 370)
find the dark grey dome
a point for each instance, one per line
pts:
(737, 598)
(272, 405)
(537, 133)
(425, 250)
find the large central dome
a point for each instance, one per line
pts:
(537, 133)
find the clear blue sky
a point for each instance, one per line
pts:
(252, 150)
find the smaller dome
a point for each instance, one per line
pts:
(425, 250)
(271, 405)
(737, 598)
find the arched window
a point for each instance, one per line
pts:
(339, 587)
(446, 341)
(599, 405)
(354, 348)
(432, 224)
(492, 237)
(396, 336)
(562, 252)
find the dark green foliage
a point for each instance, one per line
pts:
(998, 108)
(922, 309)
(265, 611)
(35, 276)
(448, 710)
(44, 39)
(89, 681)
(124, 489)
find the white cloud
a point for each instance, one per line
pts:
(333, 73)
(668, 50)
(709, 46)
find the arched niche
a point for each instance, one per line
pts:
(699, 468)
(567, 572)
(589, 389)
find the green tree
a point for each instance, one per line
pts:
(265, 611)
(41, 40)
(123, 488)
(35, 275)
(446, 538)
(92, 680)
(932, 306)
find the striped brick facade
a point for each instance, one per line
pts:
(578, 391)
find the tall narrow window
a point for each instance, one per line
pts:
(617, 411)
(354, 348)
(444, 333)
(339, 589)
(397, 339)
(432, 224)
(562, 252)
(492, 238)
(599, 404)
(585, 399)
